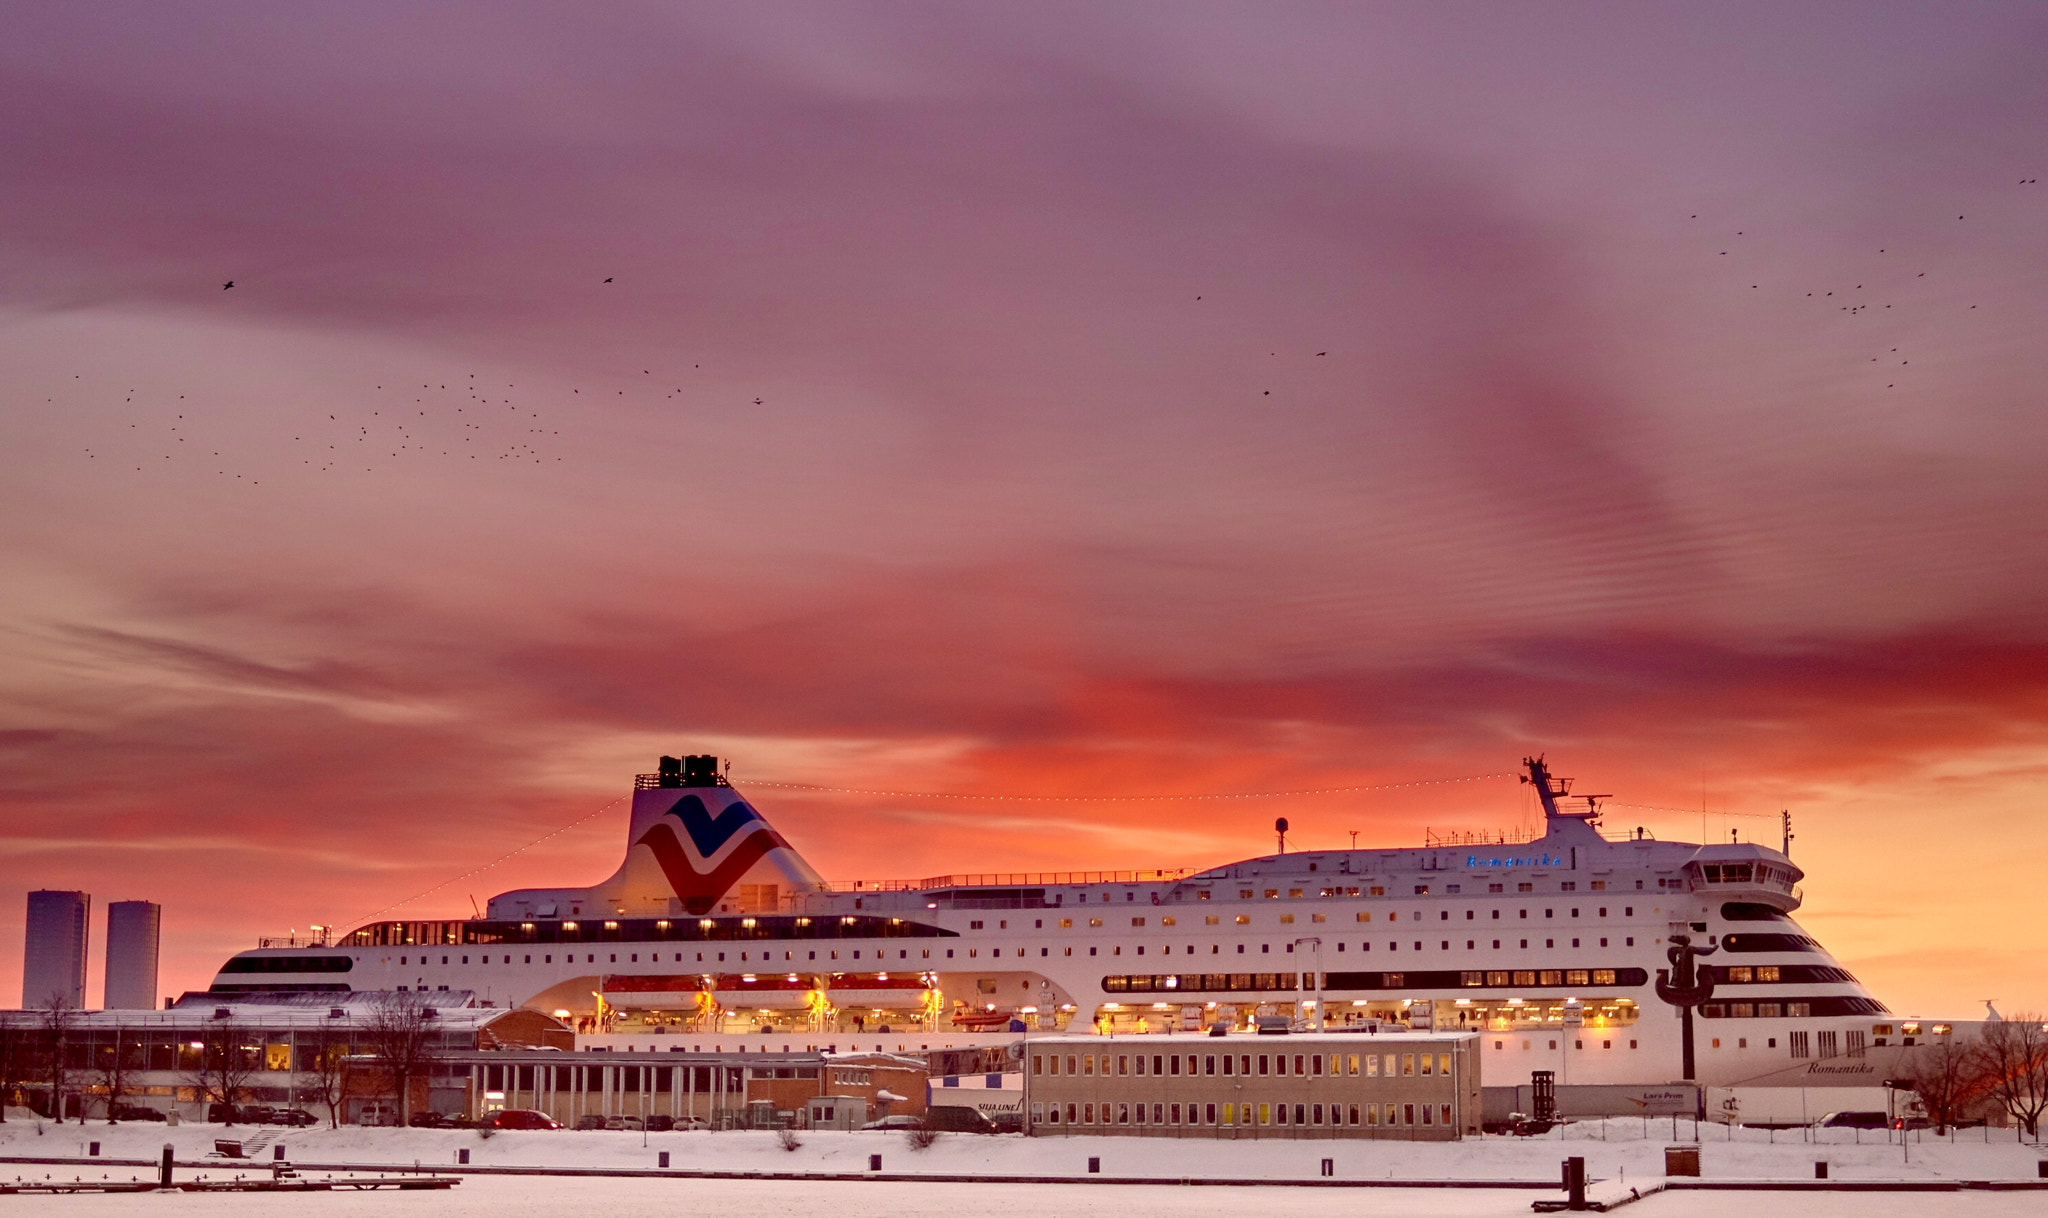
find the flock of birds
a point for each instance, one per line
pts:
(463, 423)
(1893, 292)
(459, 423)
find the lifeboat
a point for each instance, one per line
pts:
(764, 991)
(650, 992)
(878, 991)
(970, 1019)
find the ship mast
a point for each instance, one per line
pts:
(1550, 790)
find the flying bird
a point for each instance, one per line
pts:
(608, 278)
(230, 283)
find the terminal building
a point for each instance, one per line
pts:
(1412, 1086)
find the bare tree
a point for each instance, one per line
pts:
(114, 1067)
(404, 1041)
(330, 1070)
(1945, 1079)
(59, 1023)
(2012, 1067)
(225, 1065)
(14, 1055)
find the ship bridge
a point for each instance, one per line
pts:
(1745, 872)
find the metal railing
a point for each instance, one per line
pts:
(1011, 879)
(313, 940)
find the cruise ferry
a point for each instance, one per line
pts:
(1602, 958)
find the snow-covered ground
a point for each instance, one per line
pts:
(1617, 1153)
(1613, 1150)
(613, 1197)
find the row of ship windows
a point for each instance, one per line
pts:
(973, 953)
(1843, 1004)
(1442, 915)
(1205, 1065)
(1423, 890)
(635, 930)
(1197, 983)
(1741, 942)
(487, 931)
(1230, 1113)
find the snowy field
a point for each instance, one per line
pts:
(1617, 1154)
(498, 1196)
(1619, 1149)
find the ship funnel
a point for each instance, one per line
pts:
(692, 771)
(694, 846)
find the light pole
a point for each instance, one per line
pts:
(1318, 975)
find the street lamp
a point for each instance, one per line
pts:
(1318, 975)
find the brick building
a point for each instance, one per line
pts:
(1422, 1086)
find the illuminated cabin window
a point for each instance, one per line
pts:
(1795, 1008)
(633, 930)
(1754, 941)
(1198, 983)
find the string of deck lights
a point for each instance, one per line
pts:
(476, 871)
(1109, 799)
(1690, 811)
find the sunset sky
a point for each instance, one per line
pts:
(1048, 399)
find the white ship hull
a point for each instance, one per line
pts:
(1550, 948)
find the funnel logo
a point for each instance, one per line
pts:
(711, 852)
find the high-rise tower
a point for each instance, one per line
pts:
(53, 958)
(133, 928)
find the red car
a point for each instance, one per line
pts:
(524, 1118)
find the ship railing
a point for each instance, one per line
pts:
(1012, 879)
(318, 940)
(1480, 837)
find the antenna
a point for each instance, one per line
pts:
(1785, 824)
(1354, 839)
(1550, 790)
(472, 905)
(1280, 828)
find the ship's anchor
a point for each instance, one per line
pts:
(1683, 986)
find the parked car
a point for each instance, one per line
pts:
(1009, 1122)
(590, 1120)
(953, 1118)
(434, 1120)
(135, 1112)
(379, 1113)
(899, 1121)
(1854, 1120)
(660, 1123)
(523, 1118)
(690, 1122)
(296, 1116)
(633, 1123)
(256, 1114)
